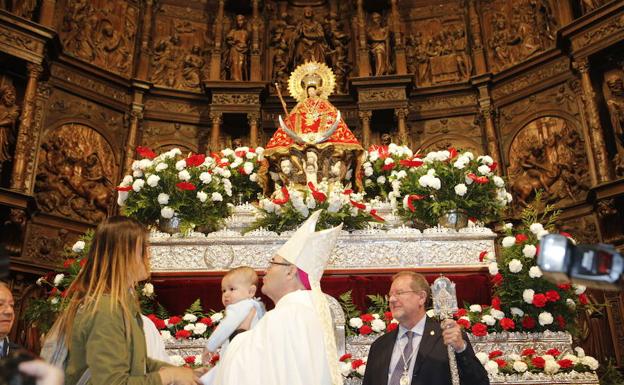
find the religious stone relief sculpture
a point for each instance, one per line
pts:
(378, 36)
(9, 113)
(101, 33)
(75, 173)
(309, 39)
(548, 155)
(236, 55)
(517, 29)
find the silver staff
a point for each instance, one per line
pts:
(444, 305)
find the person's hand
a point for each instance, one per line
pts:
(178, 376)
(452, 335)
(246, 324)
(207, 356)
(45, 373)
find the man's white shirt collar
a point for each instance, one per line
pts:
(418, 329)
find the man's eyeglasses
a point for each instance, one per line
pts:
(401, 293)
(272, 262)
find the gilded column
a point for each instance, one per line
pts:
(364, 68)
(215, 132)
(24, 133)
(136, 116)
(255, 67)
(144, 51)
(399, 47)
(401, 114)
(253, 118)
(215, 57)
(365, 117)
(478, 53)
(46, 15)
(603, 168)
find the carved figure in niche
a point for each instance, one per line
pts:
(421, 65)
(590, 5)
(615, 101)
(524, 36)
(544, 19)
(309, 39)
(166, 54)
(9, 112)
(501, 41)
(379, 43)
(280, 44)
(192, 67)
(339, 54)
(237, 41)
(464, 65)
(13, 231)
(25, 8)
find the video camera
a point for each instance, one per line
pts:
(596, 266)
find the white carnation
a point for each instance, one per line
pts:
(202, 196)
(571, 304)
(545, 318)
(579, 289)
(248, 167)
(482, 357)
(517, 312)
(180, 165)
(508, 241)
(493, 268)
(388, 161)
(541, 233)
(163, 198)
(529, 251)
(167, 212)
(127, 180)
(499, 315)
(515, 266)
(145, 163)
(200, 328)
(166, 336)
(551, 367)
(580, 352)
(491, 367)
(485, 159)
(216, 317)
(148, 290)
(217, 197)
(527, 295)
(536, 228)
(498, 181)
(78, 246)
(356, 322)
(161, 166)
(484, 170)
(54, 300)
(461, 189)
(58, 279)
(381, 179)
(253, 177)
(177, 360)
(138, 184)
(153, 180)
(520, 366)
(361, 369)
(535, 272)
(184, 175)
(488, 320)
(476, 308)
(508, 226)
(137, 173)
(373, 155)
(345, 368)
(378, 325)
(368, 171)
(205, 177)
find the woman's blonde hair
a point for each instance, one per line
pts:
(111, 264)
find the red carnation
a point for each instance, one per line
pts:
(316, 194)
(347, 191)
(186, 186)
(553, 352)
(507, 324)
(83, 262)
(53, 291)
(463, 323)
(206, 321)
(388, 167)
(189, 359)
(539, 300)
(214, 359)
(357, 205)
(151, 316)
(521, 238)
(583, 299)
(160, 324)
(452, 153)
(564, 286)
(195, 160)
(493, 166)
(182, 334)
(552, 296)
(478, 179)
(123, 188)
(460, 313)
(496, 303)
(391, 326)
(345, 357)
(561, 321)
(367, 317)
(357, 363)
(528, 322)
(411, 163)
(388, 315)
(64, 293)
(565, 364)
(497, 279)
(366, 330)
(240, 153)
(145, 152)
(501, 363)
(68, 263)
(412, 198)
(373, 213)
(479, 329)
(495, 353)
(528, 352)
(538, 362)
(175, 320)
(482, 255)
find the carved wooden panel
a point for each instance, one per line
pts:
(99, 32)
(76, 173)
(99, 86)
(166, 135)
(462, 132)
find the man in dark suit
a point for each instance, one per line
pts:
(416, 352)
(7, 316)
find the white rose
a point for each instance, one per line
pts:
(148, 290)
(520, 366)
(579, 289)
(493, 268)
(184, 175)
(153, 180)
(461, 189)
(551, 367)
(535, 272)
(78, 246)
(381, 179)
(378, 325)
(163, 198)
(488, 319)
(58, 279)
(529, 251)
(217, 197)
(545, 318)
(491, 367)
(498, 181)
(508, 242)
(356, 322)
(161, 166)
(138, 184)
(476, 308)
(177, 360)
(515, 266)
(527, 295)
(484, 170)
(167, 212)
(499, 315)
(482, 357)
(180, 165)
(517, 311)
(202, 196)
(536, 228)
(216, 317)
(200, 328)
(580, 352)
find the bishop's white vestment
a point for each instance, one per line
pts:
(286, 347)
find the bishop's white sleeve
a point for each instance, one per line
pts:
(154, 342)
(234, 315)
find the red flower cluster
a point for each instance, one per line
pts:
(528, 322)
(507, 324)
(195, 160)
(182, 334)
(185, 186)
(160, 324)
(479, 329)
(539, 300)
(538, 362)
(357, 363)
(495, 353)
(145, 152)
(174, 320)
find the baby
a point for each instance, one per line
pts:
(238, 288)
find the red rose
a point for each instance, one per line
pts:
(521, 238)
(182, 334)
(539, 300)
(357, 363)
(561, 321)
(366, 330)
(528, 352)
(538, 362)
(189, 359)
(195, 160)
(214, 359)
(463, 323)
(496, 303)
(123, 188)
(497, 279)
(68, 263)
(552, 296)
(501, 363)
(564, 286)
(565, 364)
(583, 299)
(507, 324)
(345, 357)
(553, 352)
(479, 329)
(495, 353)
(482, 255)
(206, 321)
(391, 326)
(185, 186)
(175, 320)
(145, 152)
(528, 322)
(367, 317)
(460, 313)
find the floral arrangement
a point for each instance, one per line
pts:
(195, 189)
(551, 362)
(374, 323)
(446, 181)
(194, 361)
(290, 207)
(243, 164)
(194, 324)
(522, 299)
(382, 166)
(352, 368)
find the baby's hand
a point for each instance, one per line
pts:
(246, 324)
